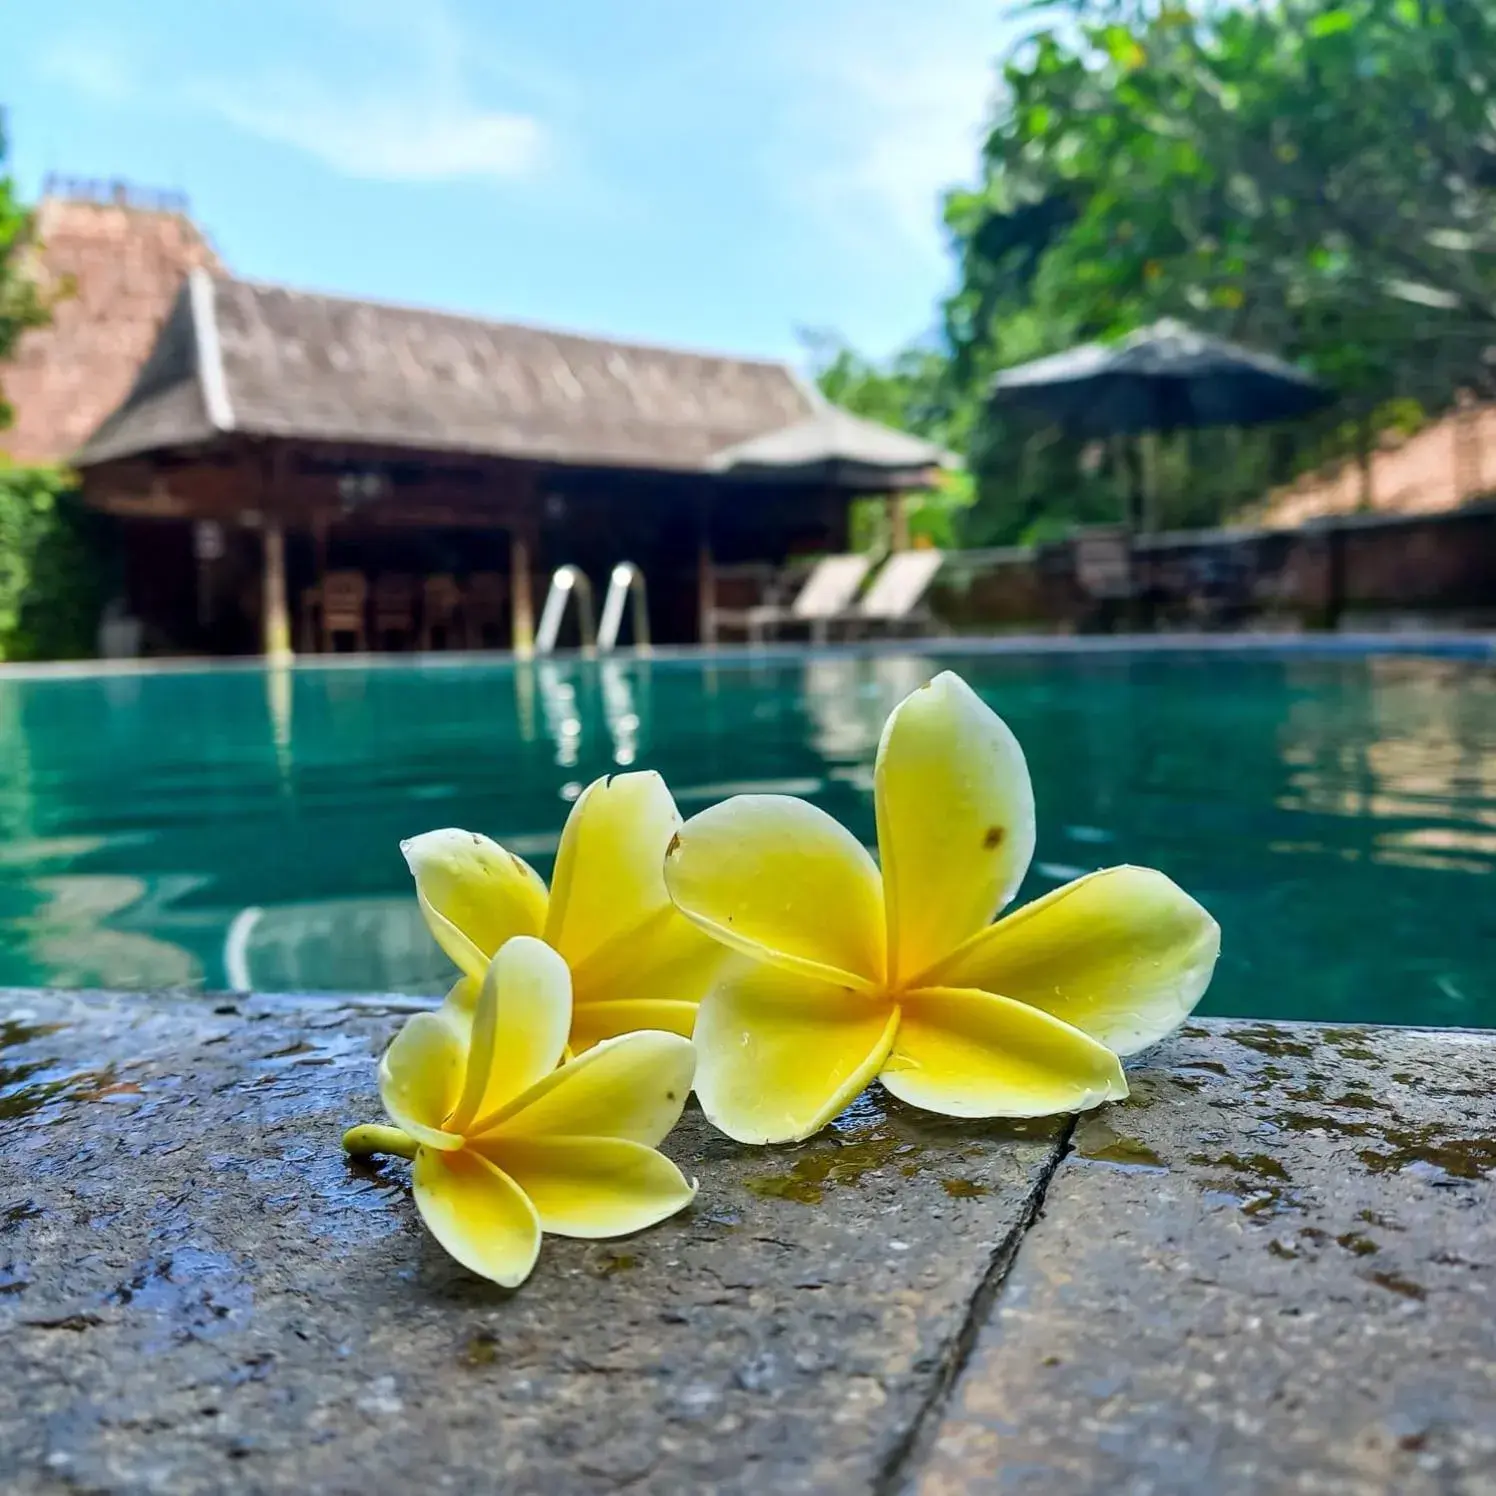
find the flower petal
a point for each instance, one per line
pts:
(420, 1078)
(478, 1214)
(593, 1187)
(970, 1054)
(473, 894)
(1123, 954)
(780, 880)
(633, 1087)
(460, 1003)
(955, 821)
(665, 964)
(780, 1054)
(608, 877)
(593, 1022)
(519, 1027)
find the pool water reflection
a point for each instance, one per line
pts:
(237, 827)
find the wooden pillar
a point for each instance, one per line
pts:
(898, 521)
(274, 612)
(706, 582)
(521, 602)
(318, 638)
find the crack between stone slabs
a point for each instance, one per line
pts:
(903, 1459)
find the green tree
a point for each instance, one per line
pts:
(21, 304)
(914, 391)
(1317, 177)
(51, 575)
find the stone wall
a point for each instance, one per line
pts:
(996, 590)
(1436, 569)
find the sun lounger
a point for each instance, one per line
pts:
(826, 594)
(896, 599)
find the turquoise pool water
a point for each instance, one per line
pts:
(227, 827)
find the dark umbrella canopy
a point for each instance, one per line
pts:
(1161, 378)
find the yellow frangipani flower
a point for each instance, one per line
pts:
(635, 962)
(505, 1145)
(901, 975)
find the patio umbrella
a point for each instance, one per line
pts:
(1166, 377)
(1162, 378)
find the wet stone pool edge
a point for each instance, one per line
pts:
(1271, 1268)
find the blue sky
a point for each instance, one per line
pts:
(711, 174)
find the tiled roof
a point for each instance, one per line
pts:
(119, 268)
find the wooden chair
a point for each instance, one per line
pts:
(1105, 574)
(394, 608)
(1103, 562)
(441, 603)
(486, 609)
(345, 607)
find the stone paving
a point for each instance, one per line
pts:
(1270, 1270)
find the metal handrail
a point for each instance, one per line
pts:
(625, 582)
(566, 582)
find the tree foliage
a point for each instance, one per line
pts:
(1314, 177)
(51, 576)
(915, 391)
(21, 304)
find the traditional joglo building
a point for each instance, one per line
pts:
(276, 450)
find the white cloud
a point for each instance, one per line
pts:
(412, 134)
(389, 91)
(890, 105)
(88, 65)
(400, 93)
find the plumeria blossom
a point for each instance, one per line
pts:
(901, 975)
(505, 1145)
(635, 962)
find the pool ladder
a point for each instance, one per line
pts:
(567, 582)
(625, 585)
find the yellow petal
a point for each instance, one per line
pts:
(593, 1022)
(778, 1055)
(593, 1187)
(459, 1005)
(608, 877)
(631, 1087)
(1123, 954)
(969, 1054)
(519, 1027)
(663, 967)
(955, 821)
(473, 894)
(781, 881)
(478, 1214)
(420, 1077)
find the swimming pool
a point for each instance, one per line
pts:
(236, 827)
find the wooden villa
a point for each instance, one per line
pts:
(302, 471)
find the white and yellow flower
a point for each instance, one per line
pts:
(505, 1145)
(901, 975)
(635, 962)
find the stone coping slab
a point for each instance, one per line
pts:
(1273, 1268)
(202, 1294)
(1270, 1269)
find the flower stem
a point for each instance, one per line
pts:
(372, 1137)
